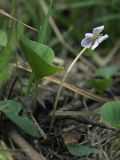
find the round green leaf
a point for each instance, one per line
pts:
(100, 84)
(11, 110)
(78, 150)
(110, 113)
(24, 123)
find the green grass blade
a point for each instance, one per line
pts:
(73, 5)
(43, 28)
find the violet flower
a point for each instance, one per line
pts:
(92, 40)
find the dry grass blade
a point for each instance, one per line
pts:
(78, 90)
(66, 85)
(13, 18)
(19, 141)
(75, 113)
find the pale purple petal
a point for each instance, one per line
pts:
(102, 38)
(87, 42)
(95, 45)
(89, 35)
(98, 30)
(92, 40)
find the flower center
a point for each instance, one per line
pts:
(96, 36)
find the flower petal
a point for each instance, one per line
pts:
(95, 45)
(87, 42)
(98, 30)
(89, 35)
(102, 38)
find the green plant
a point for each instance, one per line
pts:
(103, 78)
(91, 40)
(40, 58)
(110, 113)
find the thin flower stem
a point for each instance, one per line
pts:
(61, 85)
(37, 125)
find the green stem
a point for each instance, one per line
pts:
(41, 37)
(13, 12)
(61, 85)
(29, 84)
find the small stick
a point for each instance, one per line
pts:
(11, 88)
(15, 19)
(23, 144)
(86, 121)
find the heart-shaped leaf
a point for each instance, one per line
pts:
(100, 84)
(24, 123)
(110, 113)
(11, 109)
(40, 58)
(78, 150)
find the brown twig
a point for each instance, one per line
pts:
(15, 19)
(11, 88)
(23, 144)
(66, 85)
(87, 121)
